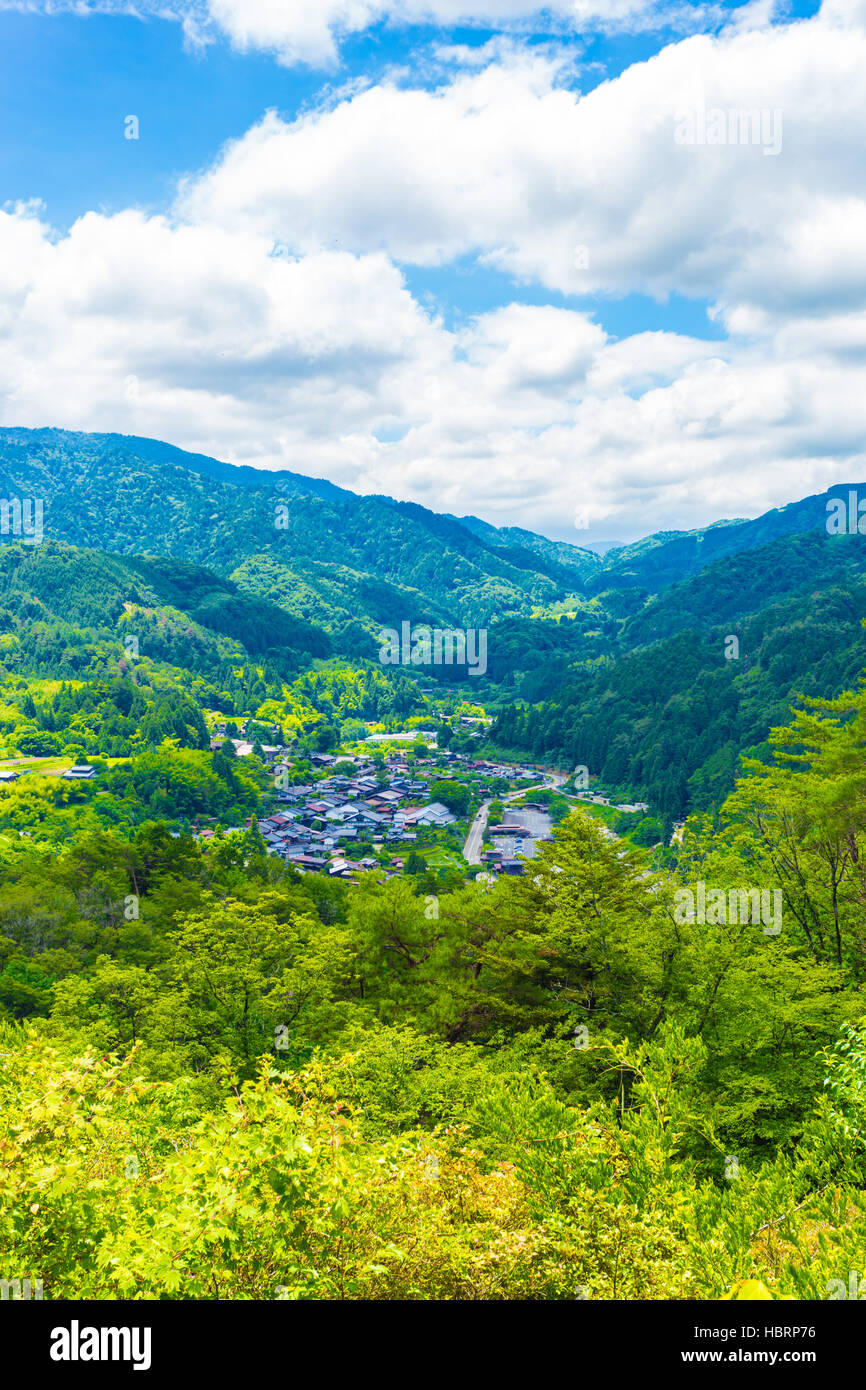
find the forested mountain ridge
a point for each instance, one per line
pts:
(618, 663)
(336, 558)
(663, 559)
(698, 673)
(323, 548)
(175, 611)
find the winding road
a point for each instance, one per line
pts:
(475, 838)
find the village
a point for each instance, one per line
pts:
(392, 802)
(359, 811)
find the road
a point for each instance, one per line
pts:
(472, 845)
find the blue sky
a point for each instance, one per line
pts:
(67, 82)
(487, 302)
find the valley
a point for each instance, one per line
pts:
(436, 911)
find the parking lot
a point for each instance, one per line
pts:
(537, 823)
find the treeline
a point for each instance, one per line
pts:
(668, 721)
(113, 718)
(56, 600)
(222, 1079)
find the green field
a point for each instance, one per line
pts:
(51, 766)
(439, 858)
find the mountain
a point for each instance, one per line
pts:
(129, 495)
(53, 445)
(570, 563)
(349, 563)
(664, 705)
(669, 556)
(176, 612)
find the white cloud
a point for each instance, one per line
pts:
(511, 165)
(198, 335)
(318, 358)
(310, 31)
(180, 331)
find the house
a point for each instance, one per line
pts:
(287, 852)
(513, 866)
(311, 863)
(279, 822)
(298, 793)
(82, 772)
(343, 868)
(7, 775)
(433, 814)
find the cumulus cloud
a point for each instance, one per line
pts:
(267, 318)
(310, 31)
(513, 165)
(130, 319)
(326, 364)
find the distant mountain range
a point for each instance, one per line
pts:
(320, 552)
(341, 561)
(618, 662)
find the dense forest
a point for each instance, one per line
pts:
(636, 1070)
(223, 1079)
(664, 705)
